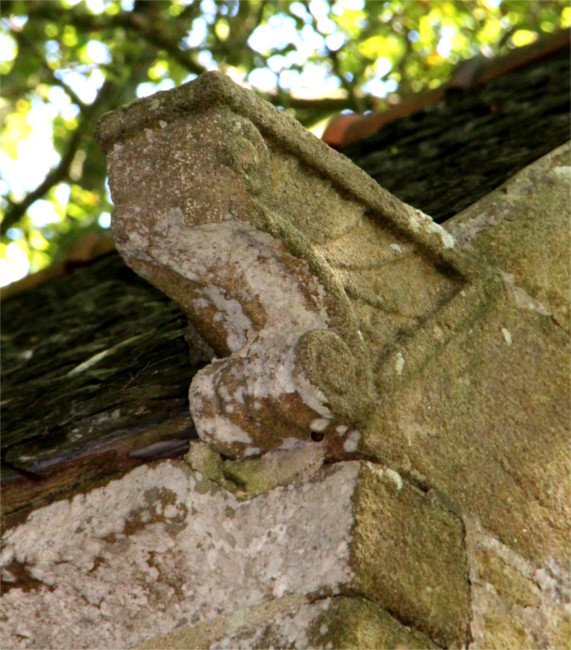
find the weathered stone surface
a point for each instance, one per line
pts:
(487, 422)
(515, 603)
(522, 229)
(413, 555)
(297, 268)
(349, 322)
(358, 623)
(484, 426)
(179, 550)
(339, 622)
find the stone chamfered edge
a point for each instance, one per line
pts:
(214, 88)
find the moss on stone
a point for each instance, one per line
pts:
(507, 581)
(409, 556)
(355, 623)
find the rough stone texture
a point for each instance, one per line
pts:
(295, 266)
(487, 422)
(522, 229)
(339, 622)
(515, 603)
(178, 550)
(433, 596)
(358, 623)
(485, 425)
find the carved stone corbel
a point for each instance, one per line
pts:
(316, 288)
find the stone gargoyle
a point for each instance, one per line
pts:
(317, 290)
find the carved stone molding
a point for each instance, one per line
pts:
(311, 282)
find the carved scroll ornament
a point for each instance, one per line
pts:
(312, 284)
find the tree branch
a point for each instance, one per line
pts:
(61, 172)
(156, 37)
(29, 46)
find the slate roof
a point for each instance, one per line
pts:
(448, 155)
(96, 364)
(95, 371)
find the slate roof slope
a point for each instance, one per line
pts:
(95, 364)
(448, 155)
(95, 374)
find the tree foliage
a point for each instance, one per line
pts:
(65, 62)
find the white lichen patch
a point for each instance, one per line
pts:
(352, 443)
(229, 312)
(129, 561)
(438, 333)
(234, 254)
(286, 629)
(395, 477)
(217, 429)
(246, 287)
(252, 451)
(386, 473)
(562, 171)
(319, 424)
(423, 222)
(312, 396)
(521, 298)
(399, 363)
(268, 372)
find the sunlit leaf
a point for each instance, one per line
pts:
(159, 70)
(222, 29)
(69, 37)
(38, 241)
(16, 129)
(523, 37)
